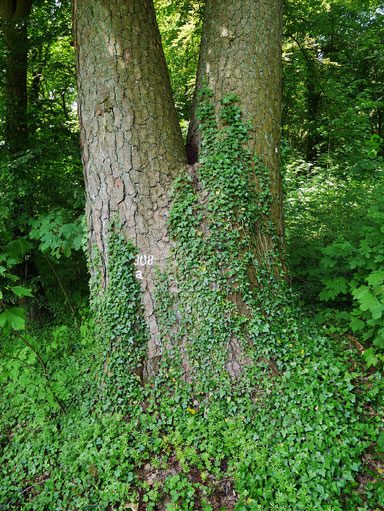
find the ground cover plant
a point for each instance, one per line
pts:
(294, 431)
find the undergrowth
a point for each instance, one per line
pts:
(336, 251)
(292, 431)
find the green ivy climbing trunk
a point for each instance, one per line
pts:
(13, 14)
(240, 53)
(132, 147)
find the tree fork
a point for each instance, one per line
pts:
(131, 142)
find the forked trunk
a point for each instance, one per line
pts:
(132, 147)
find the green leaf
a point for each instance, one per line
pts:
(67, 230)
(376, 278)
(9, 276)
(22, 291)
(380, 441)
(374, 306)
(77, 242)
(368, 302)
(379, 339)
(370, 357)
(333, 288)
(360, 292)
(16, 251)
(340, 285)
(12, 319)
(356, 324)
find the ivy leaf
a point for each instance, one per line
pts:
(22, 291)
(12, 319)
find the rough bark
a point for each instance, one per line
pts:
(240, 53)
(132, 147)
(14, 14)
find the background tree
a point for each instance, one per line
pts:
(14, 14)
(337, 85)
(40, 168)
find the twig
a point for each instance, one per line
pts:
(19, 359)
(359, 346)
(29, 487)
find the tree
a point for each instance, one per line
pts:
(14, 14)
(244, 58)
(251, 405)
(41, 179)
(332, 62)
(130, 137)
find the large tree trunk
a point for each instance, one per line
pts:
(13, 14)
(132, 146)
(240, 53)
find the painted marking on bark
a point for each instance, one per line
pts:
(143, 260)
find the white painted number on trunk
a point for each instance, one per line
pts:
(143, 260)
